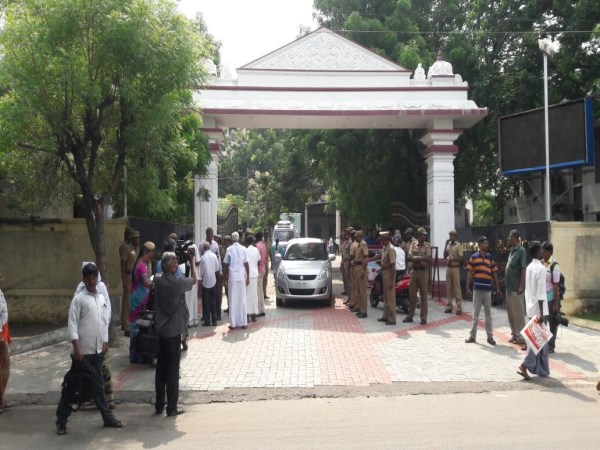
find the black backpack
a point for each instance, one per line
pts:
(561, 283)
(78, 384)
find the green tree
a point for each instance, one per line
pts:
(88, 87)
(487, 209)
(493, 45)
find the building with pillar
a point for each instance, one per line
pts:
(325, 81)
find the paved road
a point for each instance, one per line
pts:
(563, 418)
(305, 351)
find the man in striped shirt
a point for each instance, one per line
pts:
(481, 270)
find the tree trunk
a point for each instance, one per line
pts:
(94, 219)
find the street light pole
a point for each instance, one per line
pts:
(548, 48)
(547, 139)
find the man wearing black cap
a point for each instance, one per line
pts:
(420, 255)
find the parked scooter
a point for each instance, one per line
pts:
(402, 284)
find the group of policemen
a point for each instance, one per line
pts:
(355, 258)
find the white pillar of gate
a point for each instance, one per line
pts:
(439, 156)
(205, 211)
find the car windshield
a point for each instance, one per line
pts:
(283, 235)
(307, 251)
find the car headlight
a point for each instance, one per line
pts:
(281, 274)
(325, 272)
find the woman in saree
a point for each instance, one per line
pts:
(4, 350)
(140, 291)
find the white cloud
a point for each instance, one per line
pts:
(251, 29)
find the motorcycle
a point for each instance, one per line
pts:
(401, 288)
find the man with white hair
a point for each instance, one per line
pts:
(209, 271)
(236, 273)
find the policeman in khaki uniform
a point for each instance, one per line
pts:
(345, 237)
(388, 274)
(359, 253)
(454, 256)
(420, 255)
(347, 268)
(409, 239)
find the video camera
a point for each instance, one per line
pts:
(184, 251)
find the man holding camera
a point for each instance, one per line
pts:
(171, 318)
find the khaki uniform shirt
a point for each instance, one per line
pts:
(131, 257)
(388, 256)
(124, 249)
(405, 245)
(454, 251)
(420, 250)
(359, 251)
(346, 249)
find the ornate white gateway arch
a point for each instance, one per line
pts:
(324, 81)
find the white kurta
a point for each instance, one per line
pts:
(252, 288)
(236, 288)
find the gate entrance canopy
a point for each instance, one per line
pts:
(325, 81)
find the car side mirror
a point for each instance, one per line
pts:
(277, 258)
(331, 257)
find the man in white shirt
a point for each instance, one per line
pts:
(209, 271)
(252, 288)
(88, 332)
(537, 306)
(214, 247)
(400, 257)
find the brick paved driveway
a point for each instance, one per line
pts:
(312, 345)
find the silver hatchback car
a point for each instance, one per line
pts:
(304, 272)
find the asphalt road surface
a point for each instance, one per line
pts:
(552, 418)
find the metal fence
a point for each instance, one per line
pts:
(156, 231)
(404, 217)
(229, 223)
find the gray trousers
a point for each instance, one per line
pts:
(515, 307)
(479, 298)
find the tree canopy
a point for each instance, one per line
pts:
(88, 87)
(493, 45)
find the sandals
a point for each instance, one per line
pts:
(523, 373)
(115, 424)
(61, 429)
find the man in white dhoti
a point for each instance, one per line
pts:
(191, 297)
(236, 272)
(252, 288)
